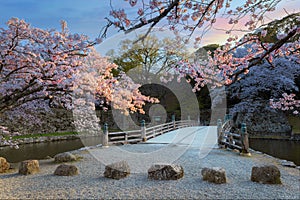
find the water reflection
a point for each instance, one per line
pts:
(284, 149)
(42, 150)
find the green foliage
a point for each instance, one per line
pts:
(129, 58)
(150, 57)
(211, 47)
(295, 123)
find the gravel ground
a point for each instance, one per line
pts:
(91, 184)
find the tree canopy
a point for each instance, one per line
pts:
(150, 57)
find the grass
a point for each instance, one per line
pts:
(295, 122)
(43, 135)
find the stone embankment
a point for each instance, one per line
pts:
(42, 139)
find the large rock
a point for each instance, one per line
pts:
(64, 157)
(117, 170)
(29, 167)
(4, 165)
(214, 175)
(165, 172)
(268, 174)
(66, 170)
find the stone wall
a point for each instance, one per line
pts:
(57, 120)
(265, 123)
(49, 121)
(42, 139)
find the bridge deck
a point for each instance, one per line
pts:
(195, 136)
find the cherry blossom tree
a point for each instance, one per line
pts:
(120, 91)
(264, 82)
(38, 64)
(287, 102)
(190, 17)
(282, 57)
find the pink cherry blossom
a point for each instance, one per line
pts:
(59, 67)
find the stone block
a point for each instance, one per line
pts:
(64, 157)
(117, 170)
(214, 175)
(4, 165)
(165, 172)
(29, 167)
(66, 170)
(268, 174)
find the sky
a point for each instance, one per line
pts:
(87, 16)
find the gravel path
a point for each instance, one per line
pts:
(91, 184)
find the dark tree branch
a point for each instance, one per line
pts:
(203, 15)
(156, 19)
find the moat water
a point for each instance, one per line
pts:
(283, 149)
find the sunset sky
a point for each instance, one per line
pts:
(87, 17)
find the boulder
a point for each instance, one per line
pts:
(268, 174)
(29, 167)
(214, 175)
(4, 165)
(64, 157)
(66, 170)
(165, 172)
(117, 170)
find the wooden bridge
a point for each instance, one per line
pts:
(228, 136)
(144, 133)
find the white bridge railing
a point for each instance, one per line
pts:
(143, 134)
(233, 137)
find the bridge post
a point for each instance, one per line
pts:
(105, 135)
(173, 120)
(244, 140)
(227, 117)
(126, 138)
(189, 119)
(220, 132)
(143, 131)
